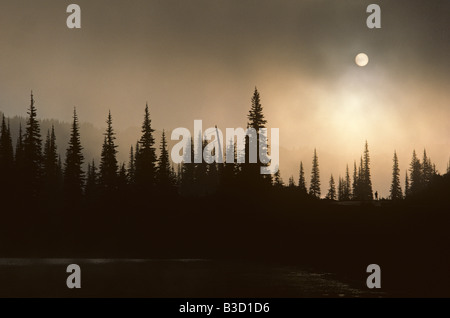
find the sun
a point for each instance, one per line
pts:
(361, 59)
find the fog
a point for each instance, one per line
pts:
(202, 59)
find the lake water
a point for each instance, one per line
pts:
(167, 278)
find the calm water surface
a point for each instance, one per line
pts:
(167, 278)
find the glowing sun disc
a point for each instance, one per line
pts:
(361, 59)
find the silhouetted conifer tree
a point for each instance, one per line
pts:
(366, 184)
(341, 189)
(416, 175)
(19, 153)
(256, 120)
(355, 186)
(361, 179)
(346, 184)
(255, 117)
(131, 167)
(146, 156)
(73, 171)
(301, 180)
(277, 180)
(427, 169)
(291, 183)
(407, 190)
(136, 152)
(108, 162)
(314, 188)
(396, 190)
(51, 169)
(331, 195)
(164, 175)
(32, 154)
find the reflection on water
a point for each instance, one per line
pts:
(167, 278)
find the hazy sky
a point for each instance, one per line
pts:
(198, 59)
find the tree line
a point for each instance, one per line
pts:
(34, 170)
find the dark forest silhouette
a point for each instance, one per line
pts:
(34, 168)
(148, 207)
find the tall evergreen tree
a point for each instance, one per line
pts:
(255, 116)
(361, 183)
(346, 185)
(50, 153)
(73, 171)
(407, 190)
(301, 180)
(131, 167)
(32, 153)
(416, 175)
(19, 163)
(396, 190)
(108, 162)
(146, 155)
(51, 168)
(314, 188)
(341, 190)
(136, 153)
(256, 120)
(291, 183)
(355, 186)
(367, 182)
(277, 180)
(427, 169)
(19, 153)
(164, 175)
(341, 195)
(331, 195)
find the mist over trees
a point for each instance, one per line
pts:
(35, 168)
